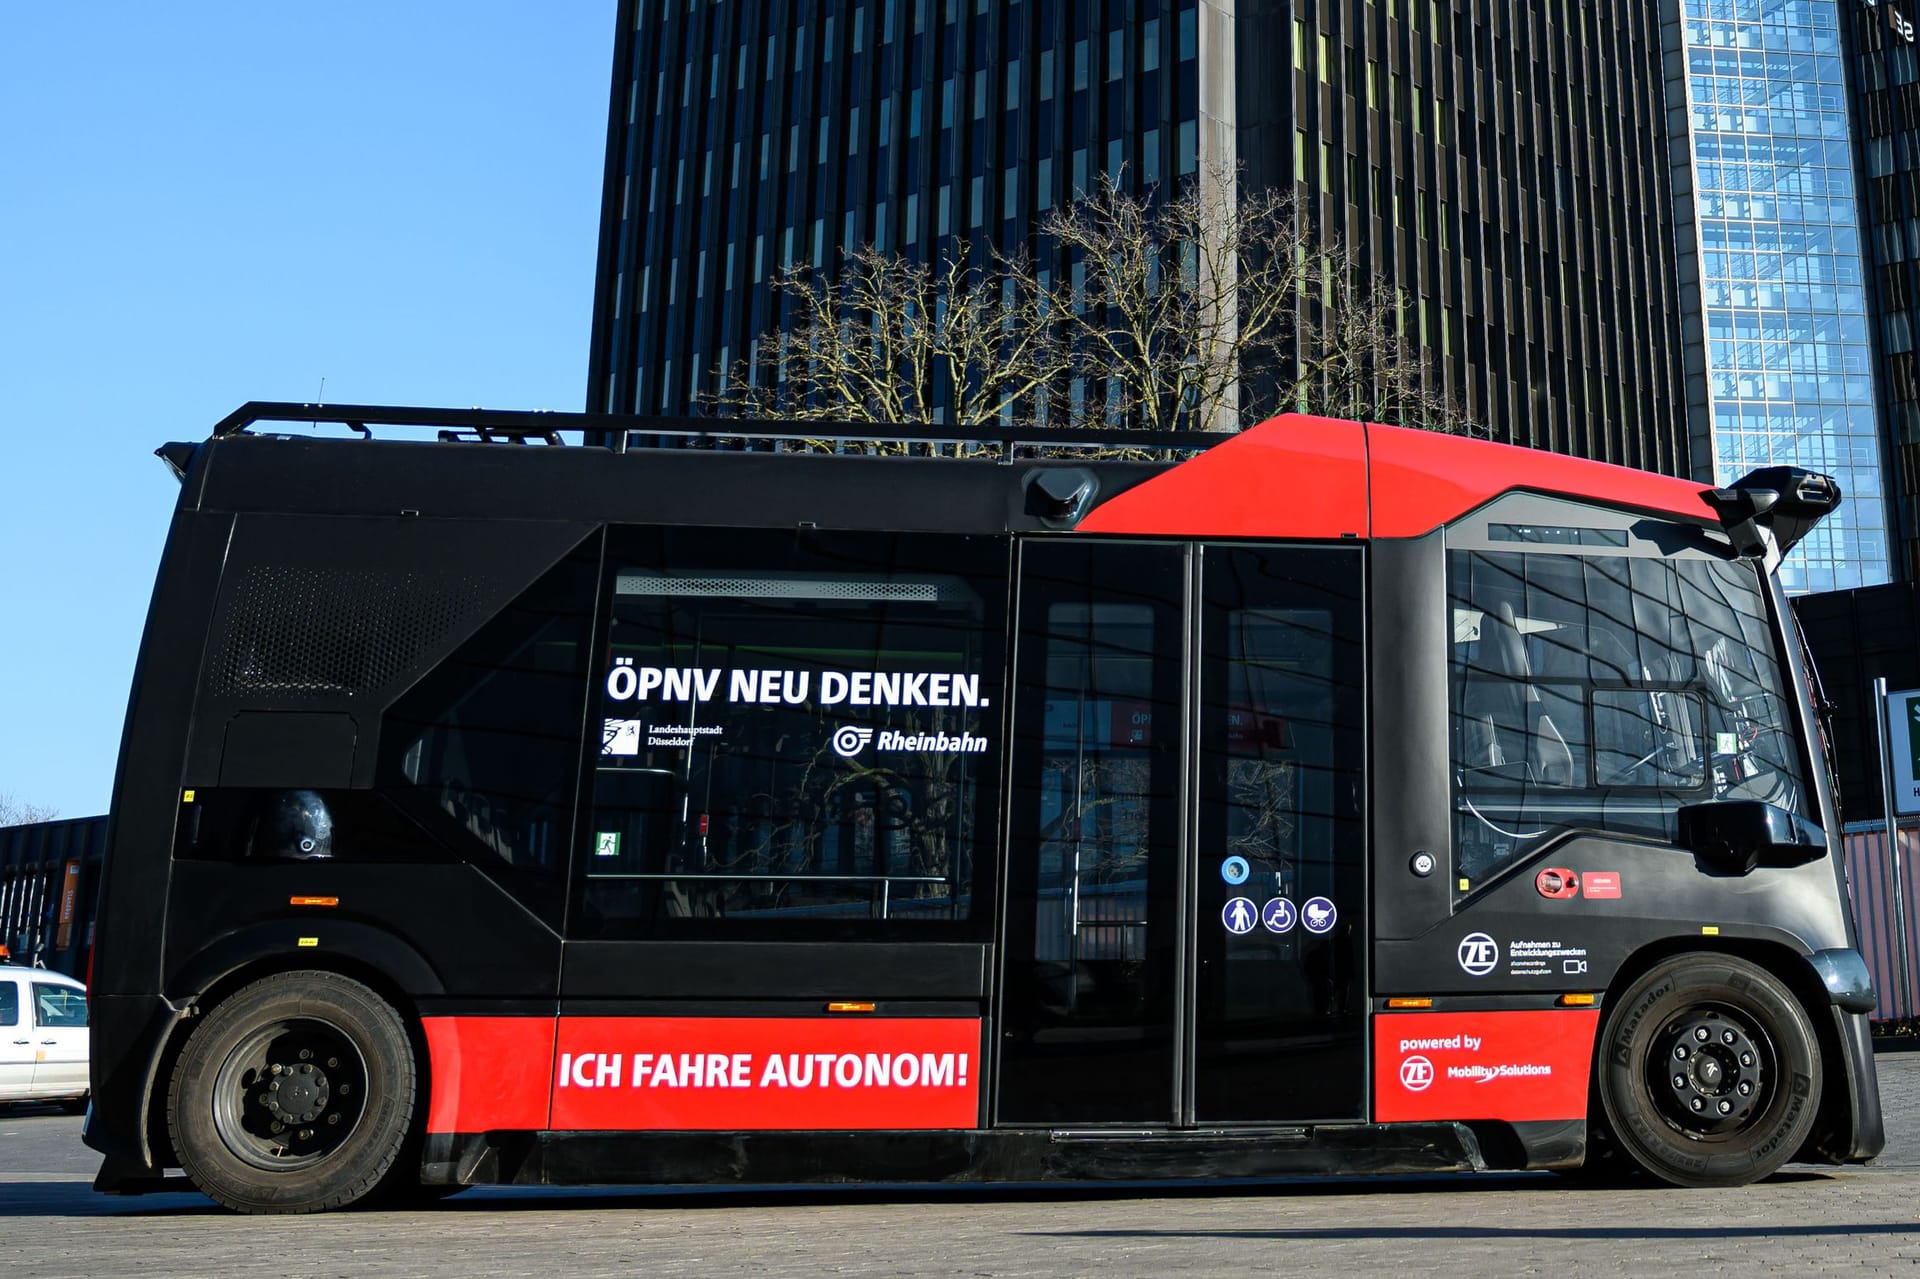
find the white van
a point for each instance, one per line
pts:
(43, 1037)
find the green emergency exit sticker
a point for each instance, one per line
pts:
(606, 843)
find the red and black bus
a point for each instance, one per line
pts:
(1332, 798)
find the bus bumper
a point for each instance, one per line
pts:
(129, 1033)
(1860, 1134)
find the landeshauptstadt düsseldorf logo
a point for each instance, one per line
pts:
(1479, 954)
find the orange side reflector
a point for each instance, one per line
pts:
(313, 901)
(1409, 1003)
(849, 1008)
(1575, 1001)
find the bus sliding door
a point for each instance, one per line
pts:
(1185, 926)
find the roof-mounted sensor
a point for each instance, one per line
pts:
(1785, 501)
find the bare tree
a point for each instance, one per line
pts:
(1205, 309)
(15, 812)
(1185, 310)
(887, 340)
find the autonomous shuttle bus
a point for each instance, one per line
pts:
(820, 806)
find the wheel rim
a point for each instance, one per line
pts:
(289, 1094)
(1710, 1071)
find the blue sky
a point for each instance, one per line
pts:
(207, 203)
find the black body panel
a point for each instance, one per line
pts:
(1004, 1155)
(765, 969)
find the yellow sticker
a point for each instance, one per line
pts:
(1465, 886)
(186, 797)
(1710, 930)
(309, 941)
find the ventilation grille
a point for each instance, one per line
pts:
(326, 633)
(783, 586)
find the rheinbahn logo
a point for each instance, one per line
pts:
(1416, 1074)
(850, 739)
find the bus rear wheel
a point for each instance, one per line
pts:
(1709, 1071)
(295, 1094)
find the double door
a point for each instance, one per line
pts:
(1185, 934)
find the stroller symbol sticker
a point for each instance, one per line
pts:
(1318, 915)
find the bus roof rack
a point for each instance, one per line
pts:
(611, 430)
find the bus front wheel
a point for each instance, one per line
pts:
(1709, 1071)
(294, 1094)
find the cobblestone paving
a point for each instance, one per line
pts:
(1806, 1221)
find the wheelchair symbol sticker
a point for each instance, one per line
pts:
(1279, 915)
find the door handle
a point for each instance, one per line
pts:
(49, 1041)
(23, 1041)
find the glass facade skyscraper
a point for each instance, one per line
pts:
(1885, 45)
(1782, 288)
(1502, 162)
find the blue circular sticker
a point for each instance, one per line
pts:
(1239, 916)
(1318, 915)
(1235, 870)
(1279, 915)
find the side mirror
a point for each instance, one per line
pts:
(1740, 834)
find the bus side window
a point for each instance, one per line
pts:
(1602, 692)
(798, 735)
(483, 752)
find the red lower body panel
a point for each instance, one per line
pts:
(1518, 1066)
(490, 1074)
(680, 1074)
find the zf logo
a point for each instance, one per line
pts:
(1479, 954)
(1416, 1074)
(850, 739)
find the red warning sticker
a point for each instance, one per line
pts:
(746, 1073)
(1599, 884)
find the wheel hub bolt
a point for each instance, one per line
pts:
(1746, 1088)
(1698, 1104)
(306, 1054)
(306, 1134)
(1679, 1081)
(1680, 1051)
(1726, 1036)
(333, 1118)
(1746, 1059)
(277, 1126)
(333, 1063)
(1700, 1033)
(1726, 1107)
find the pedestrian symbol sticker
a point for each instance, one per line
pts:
(1235, 870)
(1318, 915)
(1279, 915)
(1239, 916)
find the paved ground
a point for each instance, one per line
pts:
(1858, 1221)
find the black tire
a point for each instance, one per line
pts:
(1709, 1071)
(76, 1105)
(294, 1094)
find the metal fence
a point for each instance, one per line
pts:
(49, 889)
